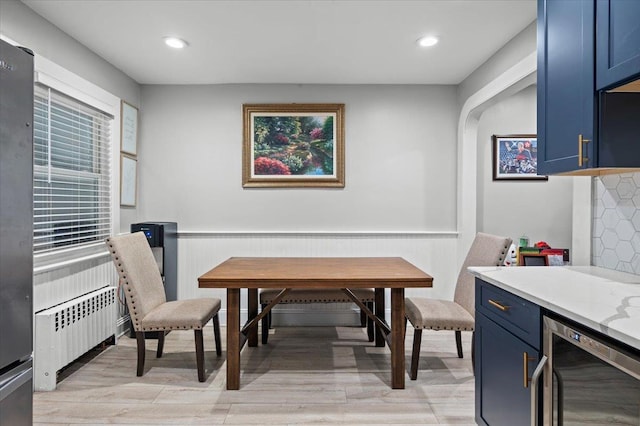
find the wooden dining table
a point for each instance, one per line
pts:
(286, 273)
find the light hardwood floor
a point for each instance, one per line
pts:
(305, 375)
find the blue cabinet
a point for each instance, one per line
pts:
(617, 42)
(507, 348)
(566, 95)
(582, 130)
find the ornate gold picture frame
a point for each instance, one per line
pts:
(293, 145)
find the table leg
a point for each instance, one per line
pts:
(379, 308)
(252, 313)
(233, 338)
(397, 338)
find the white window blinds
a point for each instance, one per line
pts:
(72, 201)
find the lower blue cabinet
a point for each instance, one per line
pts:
(504, 362)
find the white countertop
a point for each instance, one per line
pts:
(601, 299)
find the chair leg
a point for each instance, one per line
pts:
(415, 354)
(459, 343)
(363, 319)
(161, 335)
(265, 327)
(216, 334)
(199, 354)
(370, 327)
(141, 352)
(405, 327)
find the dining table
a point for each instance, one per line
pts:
(345, 273)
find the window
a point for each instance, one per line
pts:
(72, 201)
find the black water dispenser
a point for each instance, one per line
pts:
(163, 239)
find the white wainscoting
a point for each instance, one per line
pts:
(433, 252)
(58, 283)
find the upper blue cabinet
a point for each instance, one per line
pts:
(617, 42)
(583, 130)
(565, 83)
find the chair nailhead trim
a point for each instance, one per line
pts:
(446, 328)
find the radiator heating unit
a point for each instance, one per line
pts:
(66, 331)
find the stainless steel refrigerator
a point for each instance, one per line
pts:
(16, 235)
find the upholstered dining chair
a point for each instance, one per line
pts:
(330, 295)
(148, 306)
(457, 315)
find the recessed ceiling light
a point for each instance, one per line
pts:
(174, 42)
(428, 41)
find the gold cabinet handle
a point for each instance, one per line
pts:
(526, 359)
(582, 159)
(498, 305)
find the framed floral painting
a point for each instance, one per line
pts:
(293, 145)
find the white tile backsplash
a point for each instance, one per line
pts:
(616, 222)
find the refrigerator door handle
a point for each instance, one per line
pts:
(534, 390)
(15, 382)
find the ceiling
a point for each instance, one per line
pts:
(291, 41)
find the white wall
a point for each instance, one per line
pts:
(511, 53)
(400, 160)
(399, 198)
(539, 209)
(20, 23)
(508, 71)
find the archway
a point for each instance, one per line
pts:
(513, 80)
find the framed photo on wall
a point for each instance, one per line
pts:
(515, 157)
(293, 145)
(128, 172)
(128, 128)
